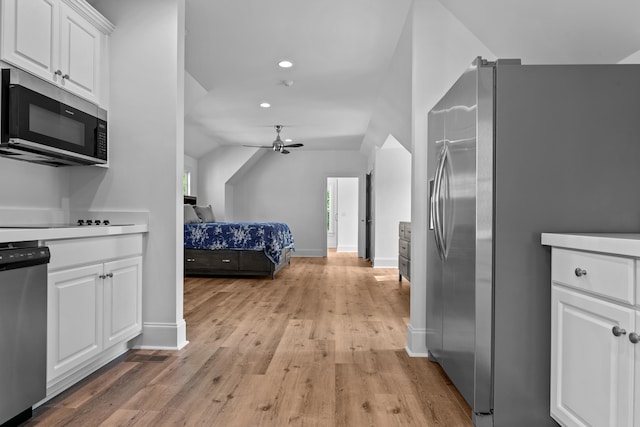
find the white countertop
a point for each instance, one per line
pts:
(612, 243)
(71, 232)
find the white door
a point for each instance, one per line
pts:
(347, 214)
(122, 300)
(591, 367)
(79, 54)
(74, 328)
(332, 193)
(30, 35)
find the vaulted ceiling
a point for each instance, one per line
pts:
(341, 50)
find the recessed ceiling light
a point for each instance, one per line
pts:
(265, 105)
(285, 64)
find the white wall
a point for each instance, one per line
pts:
(31, 193)
(197, 143)
(392, 200)
(146, 115)
(191, 166)
(215, 169)
(347, 214)
(292, 189)
(632, 59)
(392, 111)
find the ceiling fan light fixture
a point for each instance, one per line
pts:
(285, 64)
(265, 105)
(288, 140)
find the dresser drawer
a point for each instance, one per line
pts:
(407, 231)
(610, 276)
(404, 248)
(404, 267)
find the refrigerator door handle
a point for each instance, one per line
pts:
(438, 226)
(431, 204)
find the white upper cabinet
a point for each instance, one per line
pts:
(62, 41)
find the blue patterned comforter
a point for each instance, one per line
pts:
(270, 237)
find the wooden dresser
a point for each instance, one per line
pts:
(404, 251)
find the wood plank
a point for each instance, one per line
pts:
(321, 345)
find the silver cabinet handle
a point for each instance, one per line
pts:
(634, 338)
(226, 261)
(617, 331)
(580, 272)
(58, 73)
(110, 275)
(66, 76)
(191, 259)
(102, 276)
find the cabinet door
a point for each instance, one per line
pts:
(30, 35)
(123, 300)
(74, 330)
(591, 368)
(636, 396)
(80, 49)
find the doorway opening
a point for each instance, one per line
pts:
(342, 225)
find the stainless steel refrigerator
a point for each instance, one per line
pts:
(517, 150)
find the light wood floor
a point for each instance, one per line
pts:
(321, 345)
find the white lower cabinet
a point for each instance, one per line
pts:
(595, 322)
(122, 300)
(74, 332)
(591, 368)
(94, 304)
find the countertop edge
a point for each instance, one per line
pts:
(612, 243)
(46, 234)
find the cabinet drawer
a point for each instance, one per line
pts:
(404, 248)
(89, 250)
(404, 266)
(407, 231)
(610, 276)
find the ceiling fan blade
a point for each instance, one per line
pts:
(258, 146)
(295, 145)
(283, 151)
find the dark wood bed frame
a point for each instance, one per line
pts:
(229, 262)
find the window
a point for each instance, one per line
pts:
(186, 183)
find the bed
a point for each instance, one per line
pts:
(236, 248)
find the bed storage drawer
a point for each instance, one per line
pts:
(254, 260)
(194, 259)
(220, 260)
(224, 260)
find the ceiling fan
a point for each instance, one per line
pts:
(278, 145)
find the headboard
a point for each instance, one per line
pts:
(190, 200)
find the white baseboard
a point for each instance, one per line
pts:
(385, 262)
(308, 253)
(416, 342)
(162, 336)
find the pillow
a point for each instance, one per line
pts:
(190, 216)
(205, 213)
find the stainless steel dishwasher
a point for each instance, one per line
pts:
(23, 329)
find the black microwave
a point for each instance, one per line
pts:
(43, 123)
